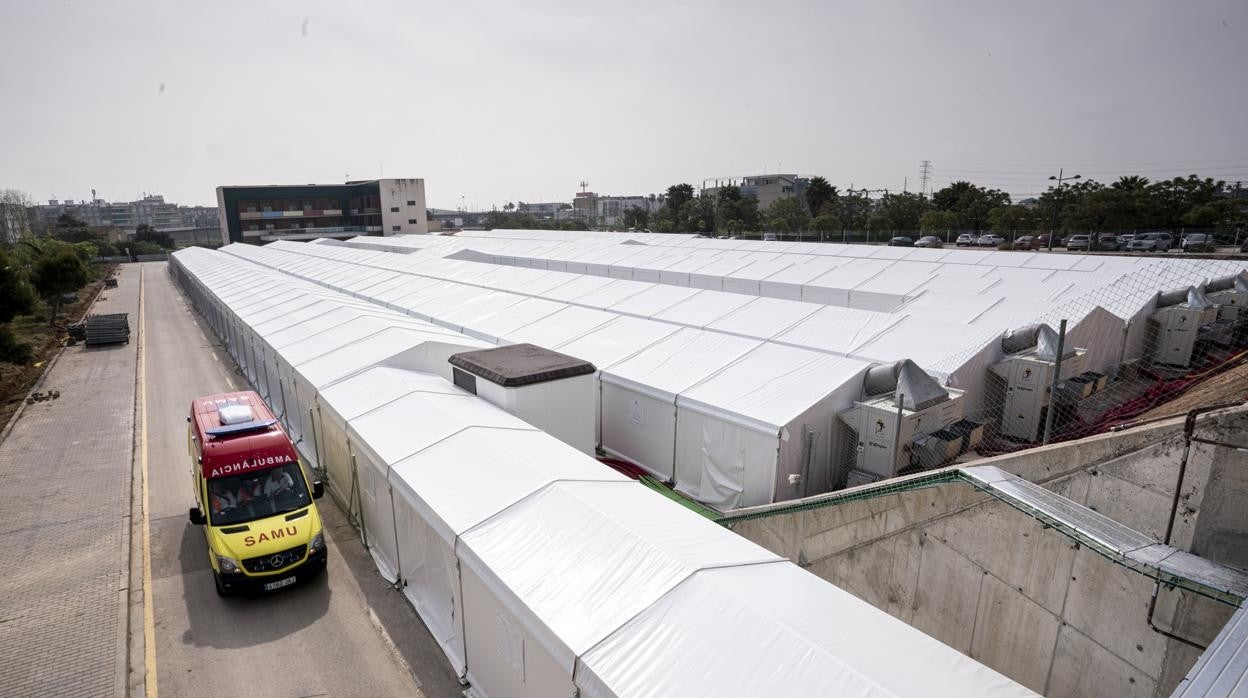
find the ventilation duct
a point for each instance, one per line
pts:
(1042, 338)
(918, 390)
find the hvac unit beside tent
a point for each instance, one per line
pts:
(901, 410)
(1230, 294)
(1183, 316)
(1028, 373)
(552, 391)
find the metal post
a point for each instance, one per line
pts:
(1057, 374)
(901, 401)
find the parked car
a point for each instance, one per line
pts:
(1198, 242)
(769, 237)
(1244, 247)
(1105, 242)
(989, 240)
(1124, 240)
(1151, 242)
(1078, 242)
(965, 240)
(929, 241)
(1027, 242)
(901, 241)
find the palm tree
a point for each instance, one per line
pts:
(819, 193)
(1130, 183)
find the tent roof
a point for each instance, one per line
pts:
(515, 463)
(770, 643)
(577, 560)
(752, 386)
(678, 361)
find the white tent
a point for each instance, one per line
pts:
(563, 569)
(748, 435)
(639, 394)
(435, 504)
(779, 631)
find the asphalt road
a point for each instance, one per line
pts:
(347, 633)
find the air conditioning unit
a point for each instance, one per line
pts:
(1031, 359)
(1182, 317)
(902, 405)
(1230, 294)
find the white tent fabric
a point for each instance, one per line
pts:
(639, 394)
(805, 625)
(577, 560)
(789, 440)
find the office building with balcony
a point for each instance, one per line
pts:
(265, 213)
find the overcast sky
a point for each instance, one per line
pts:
(497, 102)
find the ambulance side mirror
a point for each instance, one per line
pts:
(197, 517)
(318, 489)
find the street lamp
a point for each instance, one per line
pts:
(1057, 198)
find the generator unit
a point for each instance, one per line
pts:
(901, 405)
(1182, 317)
(1031, 359)
(1230, 294)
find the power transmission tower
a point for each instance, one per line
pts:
(925, 173)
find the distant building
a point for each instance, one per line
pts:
(151, 210)
(765, 188)
(545, 210)
(14, 223)
(609, 210)
(1030, 202)
(259, 214)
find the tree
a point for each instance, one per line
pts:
(678, 195)
(636, 217)
(824, 223)
(16, 296)
(878, 223)
(904, 209)
(146, 233)
(854, 209)
(699, 215)
(1008, 219)
(58, 273)
(970, 203)
(735, 212)
(1225, 212)
(1131, 183)
(16, 197)
(819, 193)
(938, 221)
(786, 215)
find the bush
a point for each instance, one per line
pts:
(13, 351)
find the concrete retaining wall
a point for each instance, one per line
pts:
(1026, 600)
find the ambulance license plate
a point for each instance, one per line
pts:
(279, 584)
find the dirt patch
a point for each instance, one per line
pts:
(1227, 386)
(45, 340)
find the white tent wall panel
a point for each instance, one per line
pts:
(504, 658)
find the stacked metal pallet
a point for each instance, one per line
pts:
(107, 329)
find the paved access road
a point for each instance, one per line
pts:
(325, 638)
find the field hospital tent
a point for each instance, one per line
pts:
(747, 435)
(639, 394)
(805, 628)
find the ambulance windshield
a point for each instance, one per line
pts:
(259, 494)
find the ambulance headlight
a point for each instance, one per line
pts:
(318, 542)
(228, 565)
